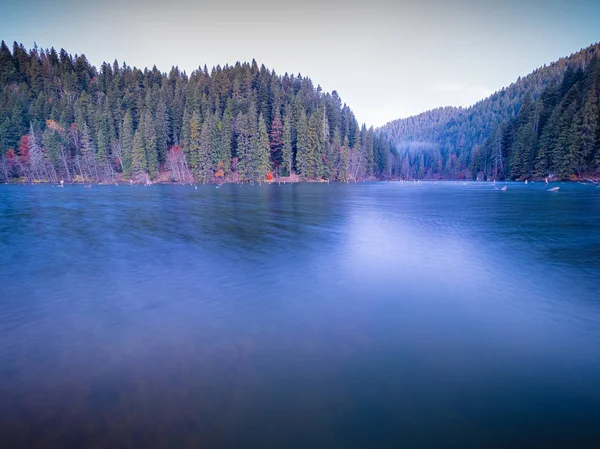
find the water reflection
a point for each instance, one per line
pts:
(366, 315)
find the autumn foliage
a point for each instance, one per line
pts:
(24, 145)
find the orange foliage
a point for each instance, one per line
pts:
(269, 176)
(220, 172)
(24, 145)
(54, 125)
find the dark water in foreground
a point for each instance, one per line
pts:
(377, 315)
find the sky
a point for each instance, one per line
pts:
(387, 59)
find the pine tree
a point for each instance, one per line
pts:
(589, 117)
(139, 162)
(162, 130)
(226, 134)
(358, 168)
(333, 156)
(303, 157)
(276, 142)
(150, 143)
(314, 167)
(287, 155)
(126, 144)
(324, 144)
(548, 137)
(263, 150)
(523, 148)
(102, 140)
(251, 154)
(344, 160)
(368, 149)
(192, 143)
(244, 151)
(205, 154)
(51, 143)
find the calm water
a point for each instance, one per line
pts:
(379, 315)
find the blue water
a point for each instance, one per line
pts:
(374, 315)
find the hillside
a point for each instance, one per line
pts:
(63, 119)
(557, 135)
(441, 142)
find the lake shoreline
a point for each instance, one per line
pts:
(592, 180)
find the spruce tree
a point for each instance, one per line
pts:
(276, 142)
(150, 143)
(357, 155)
(287, 155)
(162, 130)
(589, 116)
(139, 163)
(344, 160)
(102, 139)
(205, 156)
(314, 138)
(244, 143)
(126, 144)
(192, 143)
(303, 156)
(226, 134)
(263, 150)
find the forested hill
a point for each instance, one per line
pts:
(64, 119)
(442, 142)
(557, 135)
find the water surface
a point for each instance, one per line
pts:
(343, 316)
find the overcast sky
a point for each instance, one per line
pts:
(387, 59)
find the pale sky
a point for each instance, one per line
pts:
(387, 59)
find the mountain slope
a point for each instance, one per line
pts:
(558, 135)
(441, 142)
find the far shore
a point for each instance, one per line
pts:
(588, 179)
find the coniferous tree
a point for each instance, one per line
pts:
(287, 154)
(225, 154)
(304, 156)
(244, 144)
(150, 143)
(162, 130)
(126, 144)
(357, 160)
(205, 155)
(276, 142)
(102, 139)
(344, 160)
(263, 164)
(139, 166)
(192, 141)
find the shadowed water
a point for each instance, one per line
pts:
(343, 316)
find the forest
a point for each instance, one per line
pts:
(546, 124)
(555, 136)
(62, 119)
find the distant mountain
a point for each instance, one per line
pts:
(63, 119)
(444, 142)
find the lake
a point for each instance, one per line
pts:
(369, 315)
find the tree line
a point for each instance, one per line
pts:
(456, 143)
(63, 119)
